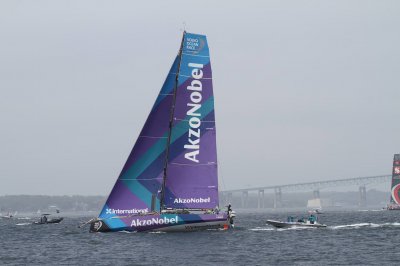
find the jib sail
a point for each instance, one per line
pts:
(138, 185)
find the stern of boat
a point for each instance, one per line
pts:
(99, 226)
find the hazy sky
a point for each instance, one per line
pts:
(305, 90)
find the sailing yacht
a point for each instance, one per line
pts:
(395, 188)
(170, 179)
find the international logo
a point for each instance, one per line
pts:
(131, 211)
(154, 221)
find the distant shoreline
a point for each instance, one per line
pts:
(94, 203)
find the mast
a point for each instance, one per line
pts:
(170, 124)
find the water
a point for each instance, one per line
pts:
(353, 238)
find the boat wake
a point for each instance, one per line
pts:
(333, 227)
(282, 229)
(262, 229)
(127, 232)
(296, 228)
(376, 210)
(24, 224)
(364, 225)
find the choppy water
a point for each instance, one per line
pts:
(353, 238)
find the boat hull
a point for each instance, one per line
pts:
(161, 222)
(51, 221)
(393, 208)
(279, 224)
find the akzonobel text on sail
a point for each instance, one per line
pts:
(194, 133)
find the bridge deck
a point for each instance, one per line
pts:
(360, 181)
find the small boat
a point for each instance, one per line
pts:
(9, 215)
(395, 188)
(290, 223)
(316, 211)
(170, 179)
(45, 220)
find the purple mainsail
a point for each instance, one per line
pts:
(192, 176)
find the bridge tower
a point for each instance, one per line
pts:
(223, 199)
(316, 194)
(261, 199)
(277, 197)
(245, 196)
(363, 196)
(229, 197)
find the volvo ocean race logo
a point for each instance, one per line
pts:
(195, 89)
(154, 221)
(192, 200)
(195, 45)
(131, 211)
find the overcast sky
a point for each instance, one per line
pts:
(304, 90)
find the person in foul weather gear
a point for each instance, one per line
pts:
(229, 208)
(230, 215)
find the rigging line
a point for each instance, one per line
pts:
(200, 164)
(206, 121)
(190, 77)
(196, 55)
(127, 179)
(151, 137)
(171, 119)
(221, 177)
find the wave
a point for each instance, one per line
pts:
(24, 224)
(299, 227)
(157, 232)
(261, 229)
(127, 232)
(364, 225)
(375, 210)
(282, 229)
(332, 227)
